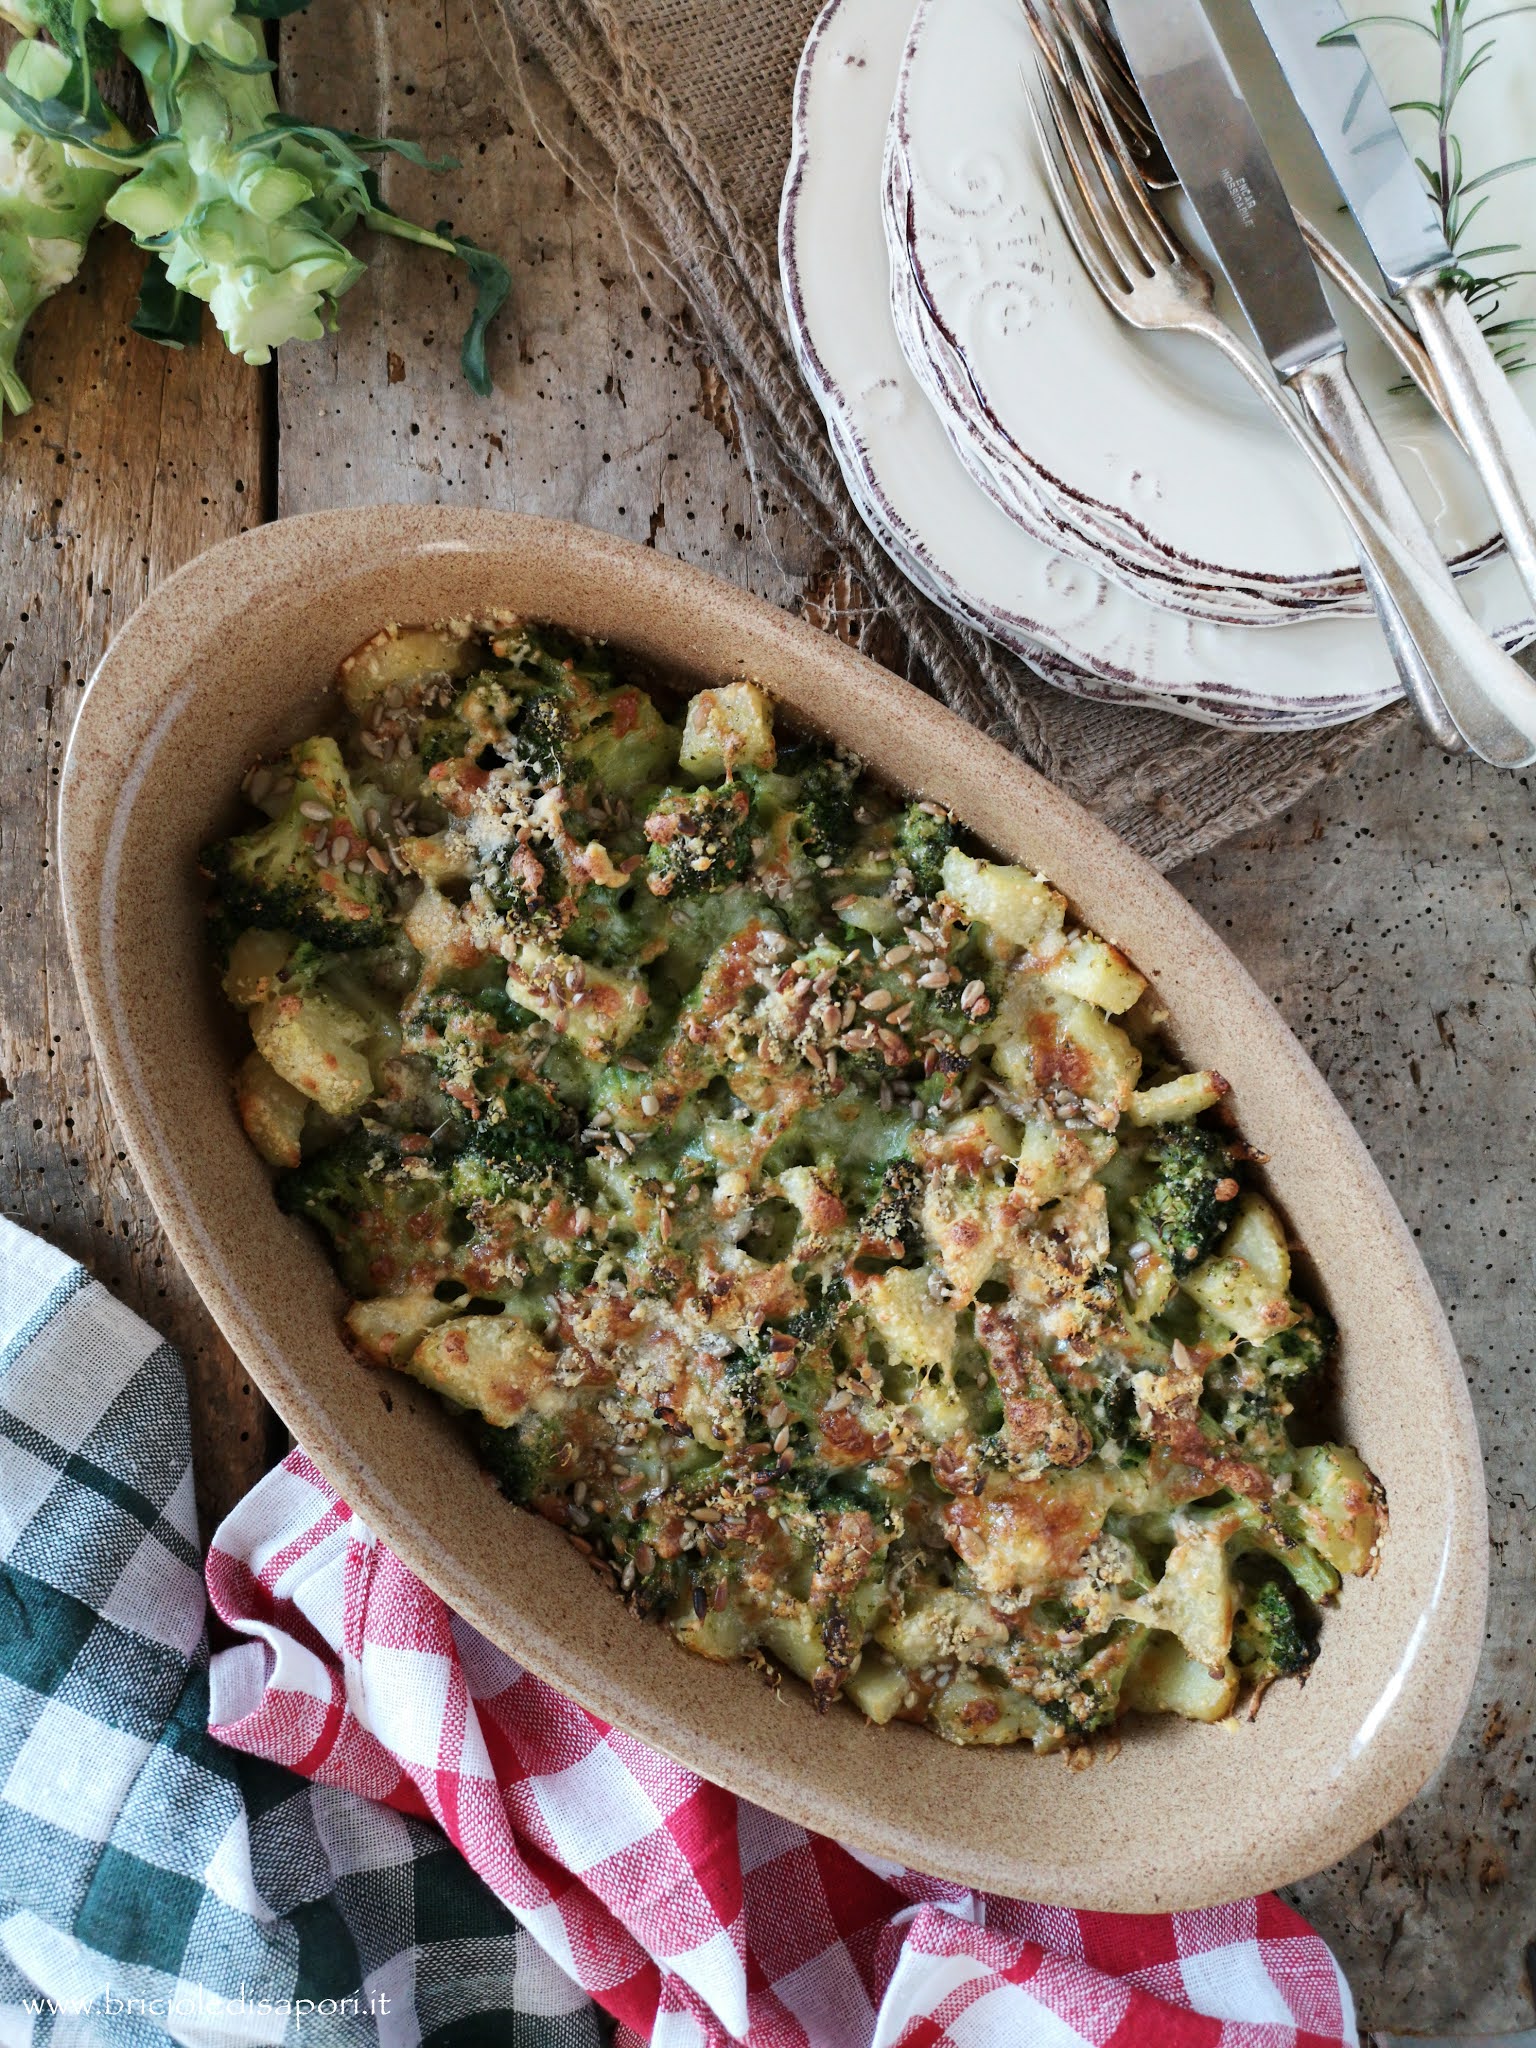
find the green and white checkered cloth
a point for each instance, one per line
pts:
(154, 1885)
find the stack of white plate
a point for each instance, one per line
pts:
(1114, 506)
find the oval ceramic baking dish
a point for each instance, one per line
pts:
(231, 655)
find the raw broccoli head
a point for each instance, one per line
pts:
(523, 1459)
(285, 877)
(922, 840)
(1188, 1205)
(826, 824)
(525, 1139)
(381, 1198)
(699, 839)
(1271, 1638)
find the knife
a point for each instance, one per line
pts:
(1214, 146)
(1356, 130)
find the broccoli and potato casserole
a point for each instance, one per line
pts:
(801, 1208)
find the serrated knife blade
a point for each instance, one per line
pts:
(1228, 176)
(1333, 83)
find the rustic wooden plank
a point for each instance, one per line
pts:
(131, 461)
(1392, 916)
(601, 412)
(1378, 913)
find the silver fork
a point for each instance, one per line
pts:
(1098, 47)
(1148, 277)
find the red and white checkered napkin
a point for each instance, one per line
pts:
(695, 1918)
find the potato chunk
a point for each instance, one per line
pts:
(272, 1111)
(312, 1041)
(255, 961)
(1016, 905)
(1339, 1505)
(728, 729)
(1247, 1284)
(1166, 1680)
(493, 1363)
(388, 1329)
(612, 1006)
(405, 658)
(1176, 1101)
(917, 1330)
(1048, 1043)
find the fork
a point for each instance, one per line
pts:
(1147, 276)
(1098, 47)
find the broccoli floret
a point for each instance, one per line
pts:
(542, 736)
(815, 1324)
(527, 889)
(1271, 1639)
(470, 1040)
(923, 838)
(699, 839)
(285, 876)
(522, 1460)
(1188, 1205)
(890, 1222)
(442, 739)
(615, 932)
(381, 1197)
(1302, 1350)
(524, 1139)
(825, 805)
(555, 655)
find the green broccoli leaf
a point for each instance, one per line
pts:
(164, 314)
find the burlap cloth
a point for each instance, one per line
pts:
(689, 100)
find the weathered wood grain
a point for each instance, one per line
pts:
(1392, 918)
(132, 460)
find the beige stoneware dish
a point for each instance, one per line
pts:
(231, 656)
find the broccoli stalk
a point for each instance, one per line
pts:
(50, 204)
(1188, 1205)
(699, 839)
(286, 876)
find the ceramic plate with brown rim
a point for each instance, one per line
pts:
(233, 655)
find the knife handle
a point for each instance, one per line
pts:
(1490, 697)
(1338, 412)
(1494, 426)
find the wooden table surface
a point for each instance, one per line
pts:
(1390, 916)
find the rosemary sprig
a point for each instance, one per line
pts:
(1464, 50)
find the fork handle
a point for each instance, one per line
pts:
(1338, 412)
(1490, 697)
(1493, 425)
